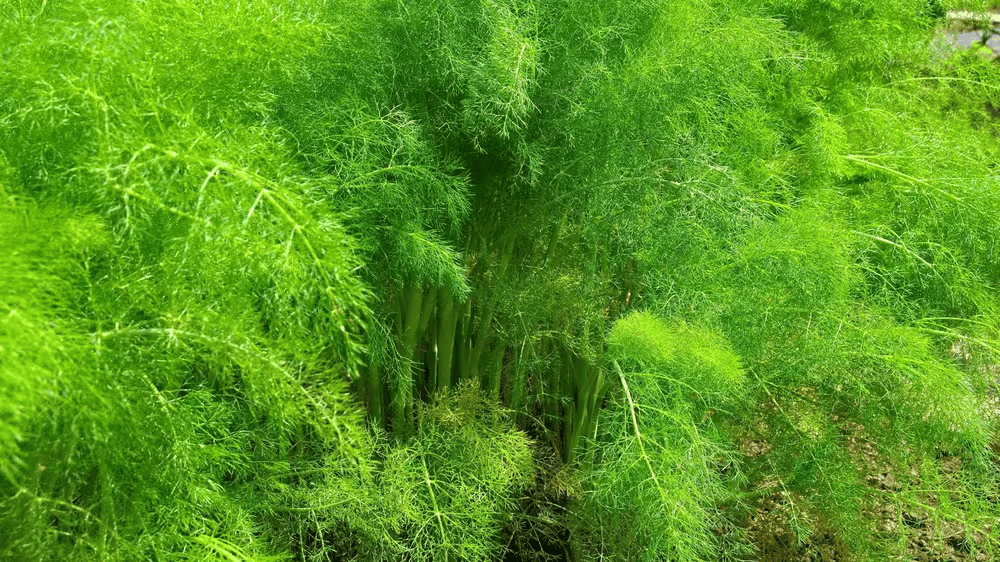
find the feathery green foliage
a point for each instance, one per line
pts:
(196, 314)
(655, 478)
(445, 495)
(323, 280)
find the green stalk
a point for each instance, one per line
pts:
(593, 412)
(411, 299)
(464, 341)
(553, 386)
(448, 320)
(493, 369)
(482, 339)
(638, 434)
(553, 240)
(582, 412)
(592, 395)
(107, 507)
(410, 302)
(376, 397)
(427, 312)
(596, 400)
(434, 502)
(426, 315)
(478, 344)
(518, 383)
(567, 391)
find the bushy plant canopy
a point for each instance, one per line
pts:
(504, 279)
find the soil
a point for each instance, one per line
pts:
(770, 530)
(770, 527)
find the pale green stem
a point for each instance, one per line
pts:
(437, 510)
(464, 341)
(553, 240)
(518, 379)
(376, 398)
(447, 325)
(408, 330)
(638, 434)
